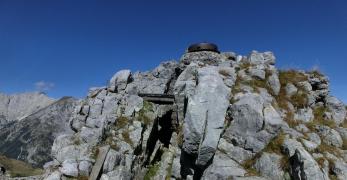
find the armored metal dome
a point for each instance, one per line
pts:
(203, 47)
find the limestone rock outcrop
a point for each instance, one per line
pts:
(230, 117)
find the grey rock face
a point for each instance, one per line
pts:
(184, 88)
(261, 58)
(304, 115)
(290, 89)
(56, 175)
(257, 73)
(205, 115)
(17, 107)
(340, 169)
(290, 145)
(84, 168)
(223, 167)
(337, 108)
(234, 152)
(269, 166)
(31, 138)
(303, 166)
(120, 80)
(274, 83)
(248, 128)
(205, 57)
(329, 136)
(120, 173)
(309, 145)
(69, 168)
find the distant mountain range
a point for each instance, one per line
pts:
(31, 122)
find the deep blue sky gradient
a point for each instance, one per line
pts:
(79, 44)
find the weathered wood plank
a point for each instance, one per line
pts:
(99, 162)
(158, 98)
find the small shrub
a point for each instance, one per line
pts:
(77, 141)
(344, 144)
(82, 178)
(327, 148)
(147, 107)
(224, 72)
(237, 86)
(321, 161)
(319, 119)
(257, 83)
(274, 146)
(289, 118)
(121, 122)
(245, 65)
(291, 76)
(248, 165)
(95, 153)
(300, 99)
(282, 100)
(316, 73)
(344, 123)
(18, 168)
(152, 171)
(284, 163)
(126, 137)
(180, 135)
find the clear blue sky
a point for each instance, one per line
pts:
(67, 46)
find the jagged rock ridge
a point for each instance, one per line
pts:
(31, 138)
(18, 106)
(234, 117)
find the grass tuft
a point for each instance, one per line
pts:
(300, 99)
(319, 119)
(18, 168)
(291, 76)
(126, 137)
(147, 106)
(152, 171)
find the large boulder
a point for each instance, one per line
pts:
(248, 128)
(70, 168)
(261, 58)
(269, 165)
(304, 115)
(329, 136)
(274, 83)
(119, 81)
(337, 108)
(205, 115)
(223, 167)
(303, 166)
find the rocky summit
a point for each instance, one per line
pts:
(208, 116)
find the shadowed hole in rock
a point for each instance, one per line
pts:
(162, 130)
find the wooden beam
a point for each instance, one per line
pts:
(158, 98)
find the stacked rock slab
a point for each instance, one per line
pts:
(232, 116)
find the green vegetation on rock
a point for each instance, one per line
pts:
(19, 168)
(152, 171)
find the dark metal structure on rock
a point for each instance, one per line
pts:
(158, 98)
(203, 47)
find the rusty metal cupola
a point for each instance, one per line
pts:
(204, 46)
